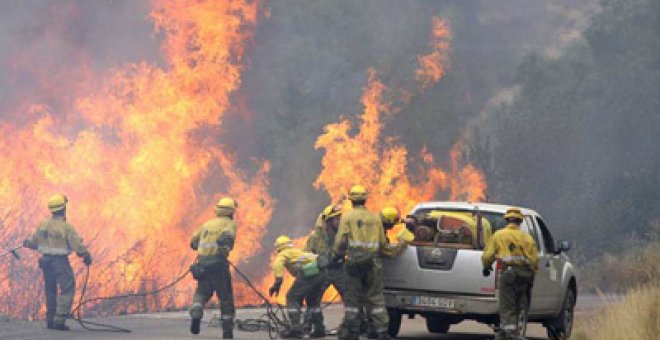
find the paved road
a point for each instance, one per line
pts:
(174, 325)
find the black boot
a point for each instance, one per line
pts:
(228, 334)
(293, 333)
(318, 332)
(61, 327)
(194, 325)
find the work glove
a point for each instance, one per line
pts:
(87, 259)
(275, 289)
(486, 272)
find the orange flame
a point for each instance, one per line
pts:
(379, 162)
(382, 165)
(138, 161)
(433, 66)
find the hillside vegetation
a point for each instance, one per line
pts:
(636, 317)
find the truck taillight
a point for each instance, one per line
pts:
(498, 269)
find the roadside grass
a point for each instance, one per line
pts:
(635, 317)
(617, 273)
(636, 275)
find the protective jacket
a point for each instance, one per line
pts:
(360, 230)
(320, 241)
(513, 246)
(56, 237)
(214, 240)
(293, 260)
(403, 238)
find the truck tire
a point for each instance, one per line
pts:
(395, 322)
(436, 324)
(560, 328)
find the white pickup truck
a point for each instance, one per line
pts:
(440, 277)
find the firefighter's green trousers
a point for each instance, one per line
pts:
(310, 290)
(515, 289)
(58, 274)
(336, 276)
(364, 288)
(216, 279)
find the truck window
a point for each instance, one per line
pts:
(548, 242)
(537, 235)
(455, 226)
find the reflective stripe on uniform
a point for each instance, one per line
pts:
(227, 317)
(46, 250)
(352, 310)
(514, 258)
(207, 245)
(293, 310)
(510, 327)
(378, 310)
(315, 310)
(374, 245)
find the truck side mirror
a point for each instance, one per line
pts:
(564, 246)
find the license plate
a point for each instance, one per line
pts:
(429, 301)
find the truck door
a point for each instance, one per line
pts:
(541, 298)
(554, 264)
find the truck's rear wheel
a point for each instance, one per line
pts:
(395, 322)
(436, 324)
(561, 327)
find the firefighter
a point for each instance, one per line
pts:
(307, 286)
(55, 239)
(518, 255)
(320, 242)
(213, 243)
(361, 238)
(391, 217)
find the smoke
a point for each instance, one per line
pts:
(305, 65)
(309, 63)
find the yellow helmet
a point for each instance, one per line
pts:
(57, 202)
(390, 215)
(358, 193)
(331, 211)
(225, 206)
(513, 213)
(283, 242)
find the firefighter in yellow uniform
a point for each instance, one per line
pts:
(518, 254)
(320, 242)
(55, 239)
(307, 286)
(213, 242)
(391, 217)
(361, 238)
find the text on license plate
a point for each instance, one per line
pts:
(432, 301)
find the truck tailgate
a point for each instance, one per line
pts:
(439, 270)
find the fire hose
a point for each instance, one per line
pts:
(100, 327)
(272, 321)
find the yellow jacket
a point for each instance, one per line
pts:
(205, 240)
(361, 230)
(291, 259)
(513, 246)
(320, 241)
(56, 237)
